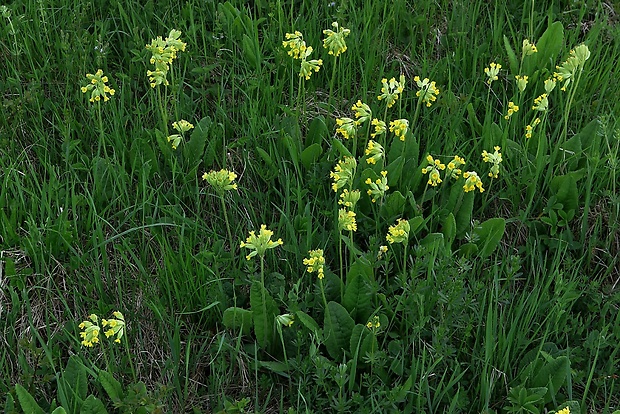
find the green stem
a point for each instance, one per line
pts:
(331, 83)
(341, 272)
(230, 239)
(133, 371)
(101, 133)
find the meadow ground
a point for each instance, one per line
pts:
(295, 206)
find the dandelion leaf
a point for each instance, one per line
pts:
(338, 326)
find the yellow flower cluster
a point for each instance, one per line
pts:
(286, 320)
(343, 173)
(90, 333)
(181, 126)
(98, 87)
(373, 323)
(530, 128)
(298, 50)
(492, 71)
(380, 127)
(399, 233)
(378, 187)
(521, 82)
(164, 52)
(221, 181)
(347, 127)
(374, 151)
(433, 170)
(349, 198)
(512, 108)
(472, 181)
(567, 70)
(261, 243)
(346, 220)
(428, 90)
(528, 48)
(334, 42)
(399, 127)
(494, 158)
(116, 326)
(316, 262)
(391, 90)
(541, 103)
(362, 111)
(454, 170)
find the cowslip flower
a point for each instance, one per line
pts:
(494, 158)
(521, 82)
(454, 170)
(380, 127)
(576, 60)
(472, 181)
(528, 48)
(346, 220)
(295, 43)
(565, 410)
(343, 173)
(433, 170)
(549, 85)
(492, 71)
(164, 51)
(428, 90)
(399, 127)
(378, 187)
(347, 127)
(316, 263)
(221, 181)
(541, 103)
(399, 233)
(391, 90)
(181, 126)
(374, 323)
(97, 87)
(116, 326)
(349, 198)
(512, 108)
(90, 333)
(382, 250)
(374, 152)
(334, 42)
(286, 319)
(309, 66)
(530, 128)
(362, 112)
(261, 243)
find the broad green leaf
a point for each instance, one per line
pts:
(61, 410)
(512, 57)
(275, 366)
(468, 249)
(111, 385)
(251, 50)
(238, 319)
(93, 405)
(449, 231)
(432, 241)
(549, 45)
(339, 146)
(74, 377)
(552, 375)
(317, 131)
(394, 205)
(26, 401)
(338, 326)
(462, 213)
(415, 224)
(565, 190)
(490, 234)
(395, 170)
(311, 154)
(474, 123)
(264, 311)
(195, 147)
(308, 321)
(358, 290)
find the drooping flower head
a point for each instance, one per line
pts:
(349, 198)
(528, 48)
(380, 127)
(576, 60)
(295, 43)
(343, 173)
(309, 66)
(494, 158)
(181, 126)
(512, 108)
(374, 323)
(164, 51)
(334, 42)
(454, 167)
(549, 85)
(90, 331)
(399, 127)
(472, 181)
(97, 87)
(362, 112)
(428, 90)
(433, 168)
(378, 187)
(530, 128)
(261, 243)
(541, 103)
(391, 90)
(221, 181)
(521, 82)
(116, 326)
(399, 233)
(347, 127)
(374, 152)
(346, 220)
(315, 262)
(492, 71)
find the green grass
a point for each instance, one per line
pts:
(103, 216)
